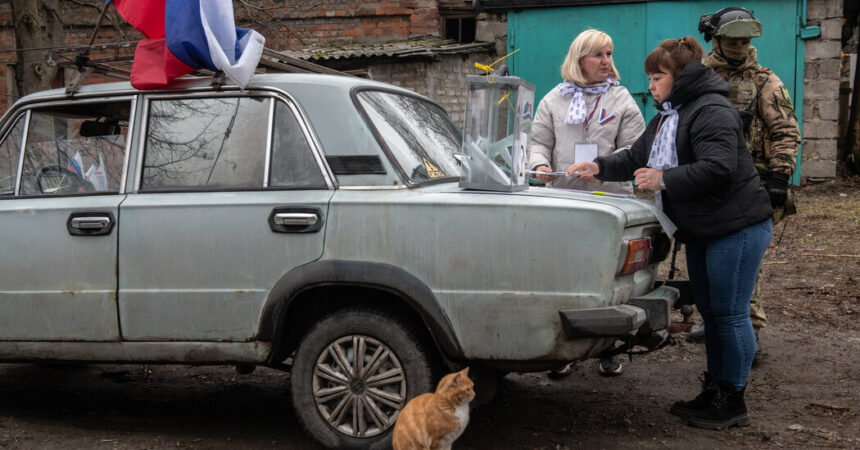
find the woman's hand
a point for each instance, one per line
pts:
(544, 178)
(585, 170)
(647, 178)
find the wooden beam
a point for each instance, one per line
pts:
(273, 56)
(282, 67)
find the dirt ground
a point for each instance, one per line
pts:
(803, 393)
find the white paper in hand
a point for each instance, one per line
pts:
(584, 152)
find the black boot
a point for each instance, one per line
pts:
(728, 409)
(683, 408)
(697, 335)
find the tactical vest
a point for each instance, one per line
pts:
(744, 89)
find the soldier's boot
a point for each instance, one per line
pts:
(686, 408)
(697, 334)
(727, 409)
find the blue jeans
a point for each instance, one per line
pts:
(723, 273)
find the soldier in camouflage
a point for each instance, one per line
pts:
(770, 125)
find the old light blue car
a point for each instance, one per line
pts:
(310, 223)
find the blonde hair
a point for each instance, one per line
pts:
(589, 41)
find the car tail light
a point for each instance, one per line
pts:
(638, 251)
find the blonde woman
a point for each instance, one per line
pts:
(587, 115)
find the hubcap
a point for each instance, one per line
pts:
(359, 386)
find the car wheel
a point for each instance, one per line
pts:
(352, 374)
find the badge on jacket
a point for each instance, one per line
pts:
(604, 119)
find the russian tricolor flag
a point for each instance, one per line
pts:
(76, 165)
(186, 35)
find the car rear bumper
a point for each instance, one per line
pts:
(647, 315)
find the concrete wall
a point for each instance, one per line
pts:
(821, 90)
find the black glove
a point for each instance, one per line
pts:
(777, 188)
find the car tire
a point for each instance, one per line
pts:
(320, 383)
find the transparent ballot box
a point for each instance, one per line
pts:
(499, 114)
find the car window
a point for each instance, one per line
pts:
(75, 149)
(419, 134)
(206, 144)
(10, 150)
(293, 163)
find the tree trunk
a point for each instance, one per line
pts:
(37, 25)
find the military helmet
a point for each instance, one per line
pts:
(732, 23)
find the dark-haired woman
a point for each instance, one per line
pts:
(694, 157)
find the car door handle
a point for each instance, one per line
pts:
(292, 219)
(296, 219)
(92, 223)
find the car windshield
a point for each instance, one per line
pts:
(419, 134)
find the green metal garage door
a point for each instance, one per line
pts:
(543, 35)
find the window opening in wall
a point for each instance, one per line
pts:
(460, 29)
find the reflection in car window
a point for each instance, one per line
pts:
(206, 144)
(75, 149)
(293, 164)
(10, 149)
(420, 135)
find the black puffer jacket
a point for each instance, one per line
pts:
(715, 190)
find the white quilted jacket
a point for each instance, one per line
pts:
(614, 124)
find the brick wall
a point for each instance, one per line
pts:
(327, 22)
(79, 22)
(299, 25)
(320, 23)
(821, 90)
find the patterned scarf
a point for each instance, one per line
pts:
(664, 154)
(576, 110)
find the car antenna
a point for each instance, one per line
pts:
(83, 58)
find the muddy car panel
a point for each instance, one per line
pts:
(56, 286)
(501, 265)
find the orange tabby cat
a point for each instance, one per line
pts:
(436, 420)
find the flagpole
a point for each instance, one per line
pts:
(84, 56)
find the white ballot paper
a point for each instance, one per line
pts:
(584, 152)
(559, 174)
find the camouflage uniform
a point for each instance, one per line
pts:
(773, 136)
